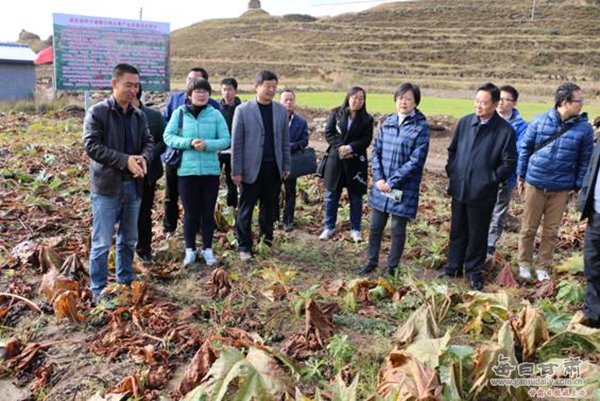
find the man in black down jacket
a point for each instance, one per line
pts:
(482, 154)
(156, 125)
(119, 144)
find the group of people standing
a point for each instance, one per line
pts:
(492, 152)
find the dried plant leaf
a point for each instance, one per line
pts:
(409, 377)
(506, 278)
(334, 287)
(198, 368)
(421, 325)
(430, 350)
(54, 283)
(219, 283)
(532, 330)
(65, 305)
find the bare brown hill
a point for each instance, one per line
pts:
(443, 44)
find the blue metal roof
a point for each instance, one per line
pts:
(16, 53)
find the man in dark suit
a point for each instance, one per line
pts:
(482, 154)
(589, 206)
(298, 142)
(260, 159)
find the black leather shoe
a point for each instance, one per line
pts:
(593, 323)
(391, 271)
(366, 269)
(476, 284)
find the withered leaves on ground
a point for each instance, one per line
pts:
(412, 379)
(319, 328)
(420, 325)
(532, 330)
(198, 368)
(506, 278)
(545, 289)
(54, 283)
(42, 376)
(219, 284)
(65, 305)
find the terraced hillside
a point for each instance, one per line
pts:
(444, 44)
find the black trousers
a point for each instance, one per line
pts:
(378, 223)
(469, 229)
(263, 190)
(232, 194)
(199, 197)
(171, 200)
(591, 268)
(290, 200)
(144, 244)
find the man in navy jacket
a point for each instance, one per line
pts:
(177, 99)
(298, 142)
(551, 170)
(482, 154)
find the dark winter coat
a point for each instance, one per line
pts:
(359, 137)
(104, 142)
(480, 157)
(398, 157)
(586, 196)
(156, 124)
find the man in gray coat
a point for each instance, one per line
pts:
(260, 159)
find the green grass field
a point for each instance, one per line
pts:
(431, 106)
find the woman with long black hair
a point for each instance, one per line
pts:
(349, 132)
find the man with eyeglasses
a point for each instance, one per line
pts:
(553, 158)
(507, 110)
(177, 99)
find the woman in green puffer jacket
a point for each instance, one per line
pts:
(203, 133)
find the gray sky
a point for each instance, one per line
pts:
(36, 15)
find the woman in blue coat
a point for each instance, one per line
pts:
(204, 133)
(398, 158)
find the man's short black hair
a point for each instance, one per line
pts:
(510, 89)
(492, 90)
(288, 90)
(198, 83)
(408, 87)
(231, 82)
(564, 93)
(201, 70)
(124, 68)
(265, 75)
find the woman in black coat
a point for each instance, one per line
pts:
(349, 132)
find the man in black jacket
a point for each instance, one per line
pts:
(229, 102)
(119, 144)
(483, 153)
(156, 124)
(589, 206)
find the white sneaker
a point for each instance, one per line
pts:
(326, 234)
(524, 273)
(209, 257)
(245, 256)
(542, 275)
(190, 257)
(355, 235)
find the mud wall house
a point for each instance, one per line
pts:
(17, 72)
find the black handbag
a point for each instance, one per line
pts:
(303, 163)
(172, 157)
(321, 168)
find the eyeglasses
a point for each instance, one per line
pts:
(580, 101)
(504, 99)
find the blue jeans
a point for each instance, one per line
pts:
(332, 203)
(107, 211)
